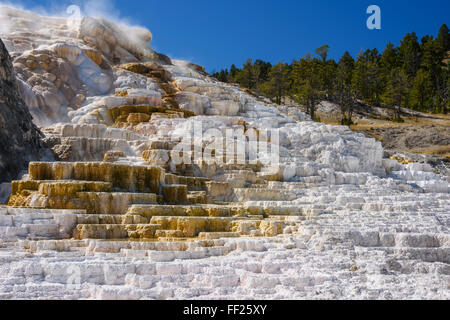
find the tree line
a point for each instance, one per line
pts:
(414, 75)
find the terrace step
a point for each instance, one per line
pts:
(256, 194)
(59, 187)
(42, 212)
(169, 234)
(218, 235)
(116, 231)
(124, 177)
(92, 202)
(99, 219)
(175, 194)
(116, 246)
(208, 210)
(197, 197)
(54, 245)
(115, 202)
(192, 226)
(200, 253)
(192, 183)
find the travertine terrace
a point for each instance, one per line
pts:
(120, 216)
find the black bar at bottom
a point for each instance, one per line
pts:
(232, 310)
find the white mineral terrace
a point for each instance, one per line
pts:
(120, 218)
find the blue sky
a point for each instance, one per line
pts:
(216, 34)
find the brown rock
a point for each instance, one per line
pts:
(113, 156)
(31, 64)
(135, 118)
(43, 57)
(58, 83)
(175, 194)
(79, 99)
(163, 58)
(49, 77)
(136, 68)
(49, 66)
(67, 92)
(94, 55)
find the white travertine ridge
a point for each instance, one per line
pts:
(120, 217)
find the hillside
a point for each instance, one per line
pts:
(421, 137)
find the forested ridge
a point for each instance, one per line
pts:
(414, 75)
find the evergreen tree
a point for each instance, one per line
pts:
(368, 82)
(307, 84)
(422, 67)
(441, 97)
(376, 79)
(250, 75)
(223, 76)
(246, 76)
(421, 89)
(278, 83)
(410, 55)
(322, 52)
(424, 40)
(233, 73)
(328, 76)
(396, 95)
(343, 87)
(264, 68)
(446, 90)
(389, 58)
(444, 37)
(359, 78)
(432, 61)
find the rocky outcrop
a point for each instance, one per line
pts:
(20, 139)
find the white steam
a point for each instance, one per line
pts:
(68, 10)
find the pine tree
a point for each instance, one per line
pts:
(343, 87)
(278, 83)
(264, 68)
(322, 52)
(446, 90)
(424, 40)
(251, 74)
(245, 76)
(441, 97)
(432, 61)
(328, 76)
(410, 55)
(368, 82)
(233, 73)
(223, 75)
(444, 37)
(361, 77)
(307, 84)
(421, 89)
(389, 58)
(422, 67)
(376, 78)
(396, 95)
